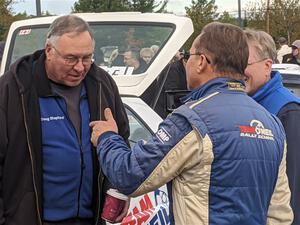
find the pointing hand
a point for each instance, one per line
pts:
(101, 126)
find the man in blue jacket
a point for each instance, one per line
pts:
(265, 86)
(222, 154)
(49, 172)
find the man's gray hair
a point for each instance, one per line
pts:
(135, 53)
(67, 24)
(263, 43)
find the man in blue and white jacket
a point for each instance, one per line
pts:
(267, 89)
(222, 154)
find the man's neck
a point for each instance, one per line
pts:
(48, 72)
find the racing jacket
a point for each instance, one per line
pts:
(223, 153)
(21, 174)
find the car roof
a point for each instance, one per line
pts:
(290, 73)
(285, 66)
(137, 84)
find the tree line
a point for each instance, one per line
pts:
(278, 17)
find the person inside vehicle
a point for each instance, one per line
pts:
(50, 172)
(265, 86)
(155, 48)
(117, 57)
(219, 171)
(132, 59)
(146, 54)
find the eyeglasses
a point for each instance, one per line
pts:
(186, 55)
(258, 61)
(73, 60)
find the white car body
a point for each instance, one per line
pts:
(290, 76)
(151, 208)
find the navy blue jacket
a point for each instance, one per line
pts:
(67, 160)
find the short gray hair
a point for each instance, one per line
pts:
(263, 43)
(67, 24)
(146, 50)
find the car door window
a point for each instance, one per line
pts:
(138, 129)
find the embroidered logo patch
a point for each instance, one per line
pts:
(163, 135)
(235, 86)
(50, 118)
(256, 130)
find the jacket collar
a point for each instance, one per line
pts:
(274, 83)
(215, 85)
(41, 79)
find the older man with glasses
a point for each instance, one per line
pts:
(265, 86)
(50, 173)
(222, 154)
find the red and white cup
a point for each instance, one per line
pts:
(113, 205)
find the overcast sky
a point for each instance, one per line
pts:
(64, 6)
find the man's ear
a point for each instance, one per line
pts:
(48, 48)
(202, 64)
(268, 66)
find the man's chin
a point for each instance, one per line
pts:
(73, 83)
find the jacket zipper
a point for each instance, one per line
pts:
(81, 159)
(80, 149)
(99, 178)
(31, 159)
(81, 176)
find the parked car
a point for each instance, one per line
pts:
(290, 76)
(114, 31)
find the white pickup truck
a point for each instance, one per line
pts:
(112, 31)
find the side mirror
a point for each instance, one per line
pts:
(173, 98)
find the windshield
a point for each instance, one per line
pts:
(120, 49)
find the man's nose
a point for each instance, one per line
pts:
(79, 67)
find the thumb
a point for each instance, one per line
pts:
(108, 114)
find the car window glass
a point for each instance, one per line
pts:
(121, 49)
(138, 131)
(294, 88)
(291, 81)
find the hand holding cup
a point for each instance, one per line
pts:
(115, 203)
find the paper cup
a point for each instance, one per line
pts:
(113, 205)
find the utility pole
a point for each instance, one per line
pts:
(38, 8)
(268, 17)
(109, 5)
(240, 14)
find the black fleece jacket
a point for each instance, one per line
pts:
(289, 116)
(21, 201)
